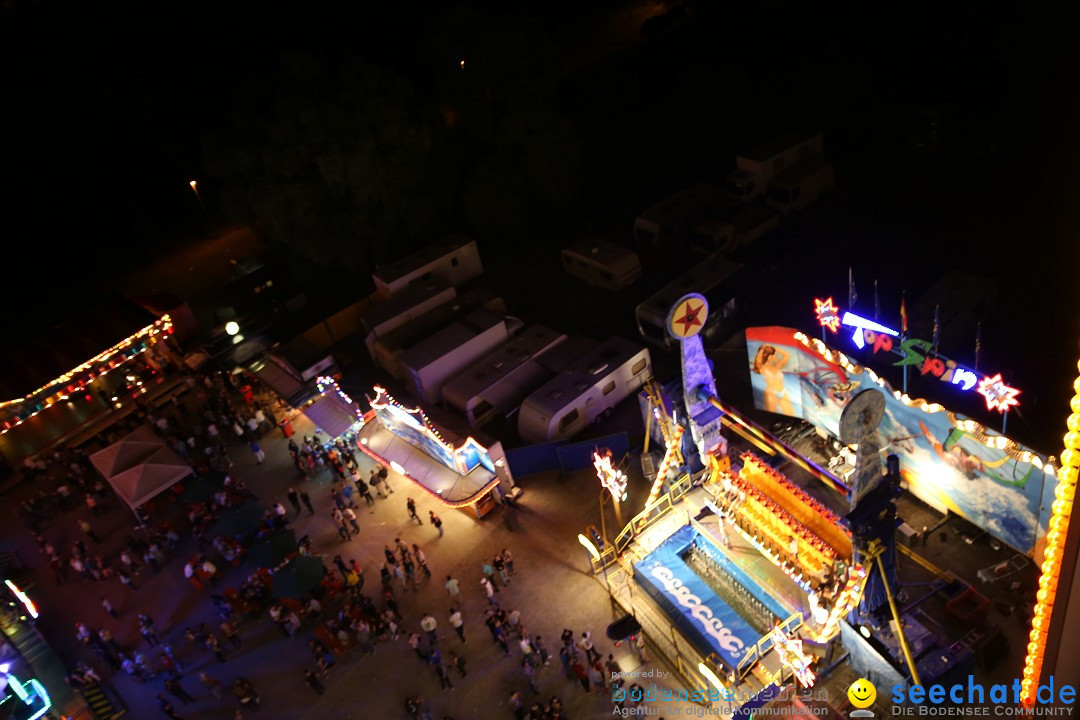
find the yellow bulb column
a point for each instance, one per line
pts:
(1064, 494)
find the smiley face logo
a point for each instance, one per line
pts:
(862, 693)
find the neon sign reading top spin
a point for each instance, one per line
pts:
(916, 353)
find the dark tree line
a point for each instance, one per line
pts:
(352, 162)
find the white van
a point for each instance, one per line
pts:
(585, 392)
(602, 263)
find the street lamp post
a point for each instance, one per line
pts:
(195, 189)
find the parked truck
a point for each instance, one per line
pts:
(756, 168)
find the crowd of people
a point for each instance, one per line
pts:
(344, 616)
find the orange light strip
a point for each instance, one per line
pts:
(1058, 529)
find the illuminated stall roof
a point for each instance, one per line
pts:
(458, 474)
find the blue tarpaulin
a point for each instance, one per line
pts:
(706, 620)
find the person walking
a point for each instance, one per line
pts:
(307, 501)
(509, 560)
(146, 628)
(453, 590)
(230, 633)
(89, 532)
(436, 521)
(364, 489)
(177, 691)
(167, 708)
(429, 624)
(339, 523)
(540, 647)
(257, 452)
(350, 515)
(294, 499)
(530, 673)
(384, 479)
(314, 682)
(376, 482)
(586, 644)
(458, 624)
(411, 505)
(458, 663)
(414, 643)
(421, 559)
(489, 574)
(489, 589)
(108, 607)
(212, 685)
(214, 646)
(500, 567)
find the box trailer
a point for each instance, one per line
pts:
(438, 358)
(455, 259)
(755, 168)
(414, 301)
(389, 347)
(801, 186)
(739, 229)
(672, 218)
(500, 381)
(585, 392)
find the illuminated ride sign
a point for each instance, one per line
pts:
(916, 353)
(611, 477)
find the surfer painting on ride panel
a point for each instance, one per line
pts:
(769, 363)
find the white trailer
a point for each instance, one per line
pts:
(756, 168)
(585, 392)
(501, 380)
(431, 363)
(455, 259)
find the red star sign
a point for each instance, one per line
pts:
(828, 315)
(999, 396)
(690, 316)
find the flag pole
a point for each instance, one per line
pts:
(903, 329)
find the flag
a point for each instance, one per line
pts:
(978, 344)
(877, 303)
(903, 313)
(852, 296)
(937, 326)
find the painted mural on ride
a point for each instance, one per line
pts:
(948, 461)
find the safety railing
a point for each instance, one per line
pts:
(764, 645)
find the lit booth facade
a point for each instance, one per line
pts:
(463, 474)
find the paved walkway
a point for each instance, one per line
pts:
(551, 589)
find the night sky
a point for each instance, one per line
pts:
(105, 113)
